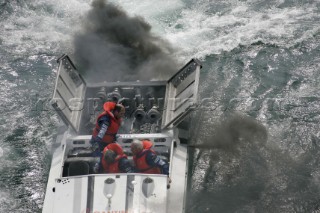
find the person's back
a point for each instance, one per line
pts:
(114, 160)
(146, 160)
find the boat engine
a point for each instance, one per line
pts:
(153, 114)
(139, 114)
(102, 94)
(114, 96)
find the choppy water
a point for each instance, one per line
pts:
(260, 61)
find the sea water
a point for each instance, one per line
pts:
(255, 133)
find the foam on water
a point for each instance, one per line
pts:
(200, 32)
(41, 26)
(251, 52)
(33, 35)
(146, 8)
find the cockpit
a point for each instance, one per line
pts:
(79, 158)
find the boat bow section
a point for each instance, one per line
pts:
(121, 193)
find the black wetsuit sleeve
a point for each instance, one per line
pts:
(154, 160)
(104, 124)
(125, 166)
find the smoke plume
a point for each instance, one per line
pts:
(116, 47)
(234, 131)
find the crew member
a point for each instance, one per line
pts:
(107, 125)
(146, 160)
(114, 160)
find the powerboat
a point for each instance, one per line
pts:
(155, 110)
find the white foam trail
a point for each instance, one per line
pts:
(42, 26)
(200, 33)
(156, 13)
(146, 7)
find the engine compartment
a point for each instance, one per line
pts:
(143, 103)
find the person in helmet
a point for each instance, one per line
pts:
(146, 160)
(107, 126)
(113, 160)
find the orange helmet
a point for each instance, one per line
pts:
(109, 106)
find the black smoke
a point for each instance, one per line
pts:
(116, 47)
(236, 166)
(233, 131)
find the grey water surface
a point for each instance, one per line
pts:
(254, 144)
